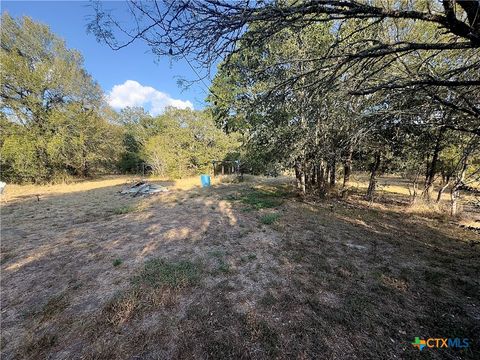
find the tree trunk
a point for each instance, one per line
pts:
(300, 175)
(306, 173)
(297, 173)
(311, 175)
(333, 172)
(85, 167)
(302, 182)
(453, 202)
(414, 192)
(432, 169)
(347, 168)
(328, 171)
(321, 177)
(373, 177)
(446, 181)
(455, 192)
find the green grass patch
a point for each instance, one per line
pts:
(117, 262)
(261, 199)
(159, 272)
(269, 219)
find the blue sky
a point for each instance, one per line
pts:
(133, 73)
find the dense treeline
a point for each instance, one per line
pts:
(323, 132)
(175, 144)
(53, 118)
(55, 123)
(320, 85)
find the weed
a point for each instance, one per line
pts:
(117, 262)
(251, 256)
(158, 273)
(223, 266)
(269, 219)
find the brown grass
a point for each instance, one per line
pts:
(201, 277)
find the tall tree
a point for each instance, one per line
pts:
(52, 106)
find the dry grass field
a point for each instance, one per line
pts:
(239, 270)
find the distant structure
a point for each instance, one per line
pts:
(226, 167)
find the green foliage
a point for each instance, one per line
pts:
(159, 272)
(290, 97)
(259, 199)
(130, 162)
(186, 143)
(53, 122)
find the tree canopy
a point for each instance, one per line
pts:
(55, 122)
(52, 120)
(388, 85)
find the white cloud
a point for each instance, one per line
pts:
(132, 93)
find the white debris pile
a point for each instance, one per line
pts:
(143, 188)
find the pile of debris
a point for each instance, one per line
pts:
(143, 188)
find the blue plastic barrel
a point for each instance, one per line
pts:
(205, 179)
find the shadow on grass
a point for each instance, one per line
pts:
(326, 282)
